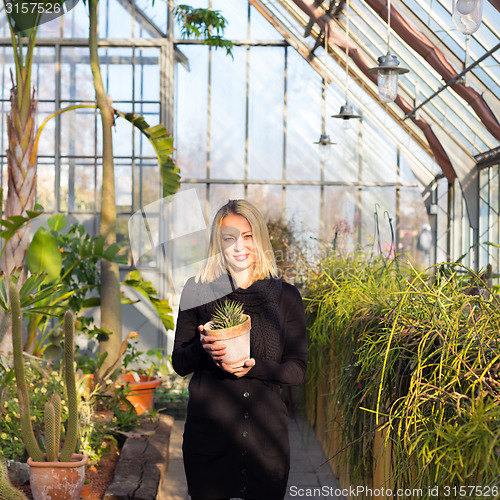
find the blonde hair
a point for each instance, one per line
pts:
(265, 263)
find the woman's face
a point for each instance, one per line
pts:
(237, 242)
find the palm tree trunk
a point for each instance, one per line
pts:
(21, 159)
(21, 171)
(111, 317)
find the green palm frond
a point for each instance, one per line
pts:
(163, 145)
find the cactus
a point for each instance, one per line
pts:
(53, 407)
(7, 491)
(27, 433)
(227, 314)
(69, 369)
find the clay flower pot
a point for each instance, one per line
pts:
(237, 340)
(57, 480)
(86, 490)
(142, 392)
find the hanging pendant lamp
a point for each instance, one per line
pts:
(325, 147)
(467, 15)
(324, 143)
(346, 112)
(388, 69)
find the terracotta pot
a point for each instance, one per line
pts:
(57, 480)
(102, 416)
(86, 490)
(237, 340)
(142, 392)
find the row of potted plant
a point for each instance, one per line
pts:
(402, 384)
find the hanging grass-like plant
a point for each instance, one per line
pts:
(347, 304)
(446, 427)
(415, 355)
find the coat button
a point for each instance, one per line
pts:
(244, 452)
(243, 471)
(243, 489)
(246, 394)
(245, 415)
(245, 434)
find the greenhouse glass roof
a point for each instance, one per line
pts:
(459, 120)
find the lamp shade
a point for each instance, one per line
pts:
(325, 147)
(388, 71)
(346, 113)
(467, 15)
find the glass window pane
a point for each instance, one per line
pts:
(46, 144)
(260, 28)
(156, 12)
(377, 206)
(220, 194)
(266, 112)
(191, 114)
(116, 21)
(227, 115)
(43, 76)
(413, 222)
(117, 73)
(303, 212)
(78, 129)
(339, 218)
(76, 22)
(268, 199)
(303, 126)
(45, 184)
(236, 16)
(76, 75)
(146, 183)
(123, 185)
(379, 155)
(147, 75)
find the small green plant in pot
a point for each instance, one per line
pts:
(45, 468)
(232, 327)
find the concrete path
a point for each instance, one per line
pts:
(307, 478)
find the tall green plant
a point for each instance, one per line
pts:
(53, 407)
(346, 303)
(21, 155)
(111, 318)
(445, 427)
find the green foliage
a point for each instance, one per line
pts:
(76, 255)
(346, 302)
(227, 314)
(42, 385)
(53, 407)
(135, 281)
(201, 24)
(15, 223)
(415, 355)
(43, 255)
(147, 363)
(163, 145)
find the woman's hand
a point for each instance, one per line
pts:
(216, 351)
(239, 371)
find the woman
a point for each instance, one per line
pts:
(236, 432)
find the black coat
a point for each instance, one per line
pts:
(236, 432)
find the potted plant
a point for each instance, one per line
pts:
(55, 475)
(232, 327)
(140, 384)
